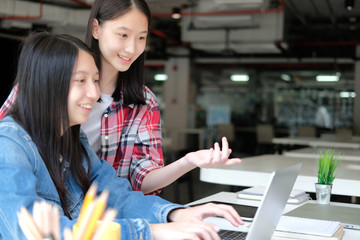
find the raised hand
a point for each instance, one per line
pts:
(212, 157)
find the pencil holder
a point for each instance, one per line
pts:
(111, 231)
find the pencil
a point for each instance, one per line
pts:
(55, 226)
(68, 234)
(37, 214)
(27, 222)
(45, 216)
(84, 223)
(28, 234)
(98, 212)
(109, 216)
(89, 197)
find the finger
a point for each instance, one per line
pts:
(216, 155)
(227, 212)
(210, 155)
(232, 161)
(231, 215)
(209, 231)
(225, 149)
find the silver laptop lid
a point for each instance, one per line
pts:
(272, 205)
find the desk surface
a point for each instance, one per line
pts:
(313, 153)
(231, 198)
(254, 171)
(318, 142)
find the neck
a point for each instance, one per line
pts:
(108, 79)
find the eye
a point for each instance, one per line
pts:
(80, 80)
(96, 81)
(142, 38)
(123, 35)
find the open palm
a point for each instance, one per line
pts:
(212, 157)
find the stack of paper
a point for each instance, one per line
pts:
(257, 192)
(306, 228)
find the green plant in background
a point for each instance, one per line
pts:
(328, 162)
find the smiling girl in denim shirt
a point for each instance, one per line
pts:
(45, 156)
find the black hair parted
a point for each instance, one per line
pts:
(130, 84)
(43, 78)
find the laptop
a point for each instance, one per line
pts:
(271, 206)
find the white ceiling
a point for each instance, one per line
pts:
(271, 34)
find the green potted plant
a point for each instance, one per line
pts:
(327, 163)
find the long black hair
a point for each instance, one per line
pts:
(130, 82)
(43, 77)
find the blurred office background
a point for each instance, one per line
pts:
(247, 69)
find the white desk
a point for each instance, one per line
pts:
(231, 198)
(304, 141)
(313, 153)
(318, 142)
(253, 171)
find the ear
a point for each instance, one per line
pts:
(95, 28)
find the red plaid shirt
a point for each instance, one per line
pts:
(9, 101)
(130, 137)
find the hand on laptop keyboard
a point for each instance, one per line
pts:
(207, 210)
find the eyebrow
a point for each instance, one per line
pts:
(128, 29)
(84, 72)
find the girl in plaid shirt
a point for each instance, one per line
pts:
(124, 127)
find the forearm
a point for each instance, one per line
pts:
(163, 177)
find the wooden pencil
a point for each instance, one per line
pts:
(109, 216)
(68, 235)
(83, 223)
(98, 212)
(55, 226)
(27, 222)
(37, 215)
(89, 197)
(28, 234)
(45, 215)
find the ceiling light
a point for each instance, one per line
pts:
(239, 78)
(237, 2)
(347, 94)
(176, 13)
(285, 77)
(327, 78)
(349, 4)
(160, 77)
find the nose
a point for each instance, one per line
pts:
(93, 91)
(130, 46)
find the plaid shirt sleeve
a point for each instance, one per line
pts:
(8, 102)
(147, 152)
(131, 140)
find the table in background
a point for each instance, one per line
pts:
(313, 153)
(254, 171)
(318, 142)
(230, 197)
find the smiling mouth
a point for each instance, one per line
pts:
(125, 58)
(87, 106)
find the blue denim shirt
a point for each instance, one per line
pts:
(24, 179)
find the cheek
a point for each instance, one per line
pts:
(141, 48)
(110, 48)
(74, 94)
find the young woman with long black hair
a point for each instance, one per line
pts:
(44, 155)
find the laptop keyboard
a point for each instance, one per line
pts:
(229, 235)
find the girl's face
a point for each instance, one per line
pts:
(121, 40)
(84, 88)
